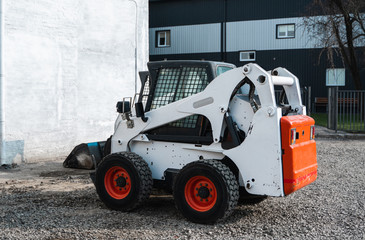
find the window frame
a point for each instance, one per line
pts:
(158, 45)
(284, 37)
(247, 60)
(222, 66)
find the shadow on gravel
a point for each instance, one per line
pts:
(34, 208)
(68, 172)
(159, 206)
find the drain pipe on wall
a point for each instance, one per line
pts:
(2, 97)
(135, 47)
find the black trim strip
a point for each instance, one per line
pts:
(181, 139)
(173, 13)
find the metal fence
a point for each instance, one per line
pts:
(351, 109)
(346, 110)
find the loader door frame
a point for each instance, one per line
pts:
(172, 82)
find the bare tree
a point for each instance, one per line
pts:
(339, 27)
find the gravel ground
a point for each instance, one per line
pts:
(45, 201)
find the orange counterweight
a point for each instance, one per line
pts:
(298, 152)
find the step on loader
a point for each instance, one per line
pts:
(209, 132)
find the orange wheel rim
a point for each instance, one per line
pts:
(200, 193)
(117, 182)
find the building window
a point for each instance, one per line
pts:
(247, 56)
(285, 31)
(335, 77)
(163, 38)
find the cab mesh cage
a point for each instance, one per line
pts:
(174, 84)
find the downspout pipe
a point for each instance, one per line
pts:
(135, 47)
(2, 95)
(224, 33)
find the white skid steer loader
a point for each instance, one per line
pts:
(210, 132)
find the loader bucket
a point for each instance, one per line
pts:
(85, 155)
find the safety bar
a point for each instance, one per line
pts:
(279, 80)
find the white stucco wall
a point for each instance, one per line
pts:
(65, 64)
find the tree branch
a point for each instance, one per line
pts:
(340, 25)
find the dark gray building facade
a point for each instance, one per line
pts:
(269, 33)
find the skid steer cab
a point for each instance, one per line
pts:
(211, 133)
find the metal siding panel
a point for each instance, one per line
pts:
(261, 35)
(248, 35)
(239, 10)
(198, 56)
(188, 39)
(174, 13)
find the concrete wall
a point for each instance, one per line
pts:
(65, 64)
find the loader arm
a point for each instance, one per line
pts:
(212, 102)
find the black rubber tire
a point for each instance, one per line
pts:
(140, 178)
(226, 188)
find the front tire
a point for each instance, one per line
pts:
(123, 181)
(205, 191)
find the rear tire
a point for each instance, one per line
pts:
(205, 191)
(123, 181)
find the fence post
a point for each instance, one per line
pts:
(329, 107)
(335, 107)
(332, 108)
(309, 100)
